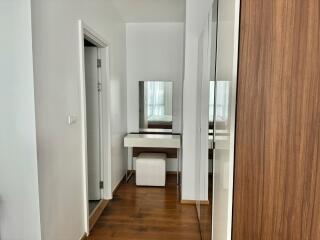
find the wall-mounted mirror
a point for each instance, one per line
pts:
(222, 115)
(155, 106)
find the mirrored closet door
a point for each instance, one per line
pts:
(207, 77)
(217, 97)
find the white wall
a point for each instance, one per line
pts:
(19, 200)
(204, 62)
(154, 52)
(196, 15)
(151, 10)
(57, 88)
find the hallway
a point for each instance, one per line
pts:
(147, 213)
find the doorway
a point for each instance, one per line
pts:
(95, 106)
(93, 115)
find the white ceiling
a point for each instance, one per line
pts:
(151, 10)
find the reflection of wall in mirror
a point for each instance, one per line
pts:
(154, 52)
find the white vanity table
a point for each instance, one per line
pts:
(221, 142)
(152, 141)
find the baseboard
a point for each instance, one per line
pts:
(188, 202)
(96, 213)
(84, 237)
(118, 185)
(193, 202)
(205, 202)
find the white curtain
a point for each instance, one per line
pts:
(222, 99)
(159, 101)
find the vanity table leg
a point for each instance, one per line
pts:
(130, 160)
(178, 168)
(128, 157)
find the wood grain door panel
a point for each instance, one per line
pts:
(277, 160)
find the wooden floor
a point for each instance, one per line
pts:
(147, 213)
(206, 214)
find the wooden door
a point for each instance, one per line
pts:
(277, 161)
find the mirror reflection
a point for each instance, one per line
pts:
(221, 108)
(155, 105)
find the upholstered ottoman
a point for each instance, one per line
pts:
(151, 169)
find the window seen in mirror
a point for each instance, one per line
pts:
(159, 101)
(222, 98)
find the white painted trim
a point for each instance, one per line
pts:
(83, 236)
(93, 36)
(86, 32)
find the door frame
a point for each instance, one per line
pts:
(86, 32)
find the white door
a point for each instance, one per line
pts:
(93, 122)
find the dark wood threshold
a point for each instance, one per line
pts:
(96, 213)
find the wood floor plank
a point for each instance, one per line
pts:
(147, 213)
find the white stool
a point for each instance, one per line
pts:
(151, 169)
